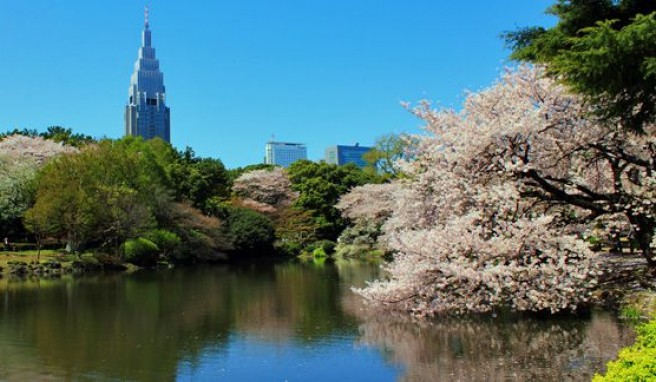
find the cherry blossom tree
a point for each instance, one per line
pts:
(20, 156)
(270, 187)
(36, 148)
(366, 207)
(371, 202)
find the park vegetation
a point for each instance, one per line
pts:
(144, 202)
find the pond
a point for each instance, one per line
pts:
(274, 322)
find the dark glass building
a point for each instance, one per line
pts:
(340, 155)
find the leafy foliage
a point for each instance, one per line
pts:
(198, 180)
(165, 240)
(57, 134)
(203, 237)
(140, 251)
(103, 195)
(249, 232)
(604, 50)
(637, 362)
(389, 150)
(320, 185)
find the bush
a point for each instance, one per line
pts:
(142, 252)
(288, 248)
(165, 240)
(319, 252)
(249, 231)
(326, 245)
(108, 261)
(89, 262)
(637, 362)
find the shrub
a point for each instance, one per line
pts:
(288, 248)
(249, 231)
(109, 261)
(166, 241)
(637, 362)
(319, 252)
(204, 237)
(140, 251)
(89, 261)
(326, 246)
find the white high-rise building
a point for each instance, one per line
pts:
(284, 153)
(146, 113)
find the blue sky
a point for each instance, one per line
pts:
(319, 72)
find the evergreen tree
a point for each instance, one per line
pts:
(602, 49)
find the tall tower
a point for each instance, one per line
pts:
(146, 114)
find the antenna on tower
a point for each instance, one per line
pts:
(146, 17)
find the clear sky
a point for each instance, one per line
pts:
(319, 72)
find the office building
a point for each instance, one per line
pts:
(284, 153)
(341, 154)
(146, 114)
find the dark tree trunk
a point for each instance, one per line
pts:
(644, 233)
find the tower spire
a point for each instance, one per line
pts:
(146, 113)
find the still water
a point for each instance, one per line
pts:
(273, 322)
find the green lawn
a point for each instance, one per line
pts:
(27, 256)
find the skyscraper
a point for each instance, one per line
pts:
(146, 114)
(284, 153)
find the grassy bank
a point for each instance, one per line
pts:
(29, 256)
(55, 263)
(638, 361)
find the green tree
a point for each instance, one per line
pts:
(66, 136)
(604, 50)
(141, 252)
(320, 186)
(204, 237)
(198, 179)
(249, 232)
(24, 131)
(103, 195)
(41, 224)
(60, 134)
(387, 150)
(165, 240)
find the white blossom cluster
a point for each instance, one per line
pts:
(370, 202)
(267, 187)
(480, 222)
(35, 148)
(20, 157)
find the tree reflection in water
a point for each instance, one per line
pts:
(152, 325)
(496, 349)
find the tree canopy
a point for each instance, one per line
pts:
(604, 50)
(197, 180)
(388, 151)
(502, 198)
(320, 186)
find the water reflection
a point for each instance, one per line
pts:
(289, 321)
(496, 349)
